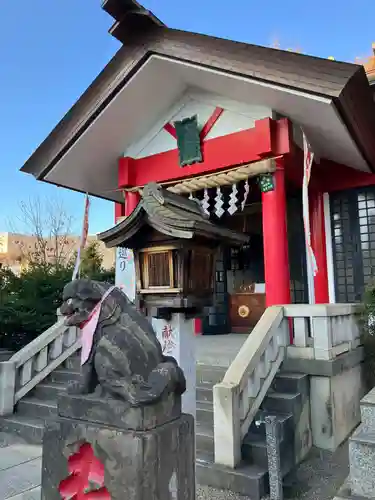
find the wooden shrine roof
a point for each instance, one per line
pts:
(143, 35)
(170, 214)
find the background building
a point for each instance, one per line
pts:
(14, 249)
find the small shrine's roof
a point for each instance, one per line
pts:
(170, 214)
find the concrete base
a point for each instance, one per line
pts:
(336, 388)
(335, 409)
(154, 458)
(157, 464)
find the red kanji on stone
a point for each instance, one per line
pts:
(86, 477)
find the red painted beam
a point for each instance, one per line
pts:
(267, 139)
(335, 177)
(168, 127)
(210, 123)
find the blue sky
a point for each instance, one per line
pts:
(51, 50)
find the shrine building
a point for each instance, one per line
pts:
(223, 122)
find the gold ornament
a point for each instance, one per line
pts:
(243, 311)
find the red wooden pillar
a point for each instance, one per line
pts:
(131, 202)
(124, 210)
(119, 211)
(275, 241)
(318, 243)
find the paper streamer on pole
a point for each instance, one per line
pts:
(308, 157)
(85, 232)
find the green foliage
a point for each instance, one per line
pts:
(367, 324)
(28, 303)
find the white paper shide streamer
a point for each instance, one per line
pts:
(219, 202)
(311, 261)
(233, 200)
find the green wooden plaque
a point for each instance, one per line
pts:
(188, 141)
(266, 183)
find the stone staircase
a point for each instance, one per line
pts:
(286, 399)
(360, 484)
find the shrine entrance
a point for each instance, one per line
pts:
(240, 288)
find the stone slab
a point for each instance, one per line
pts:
(158, 464)
(362, 462)
(18, 454)
(118, 413)
(369, 398)
(325, 368)
(20, 478)
(33, 494)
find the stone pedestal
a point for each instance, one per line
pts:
(335, 409)
(177, 338)
(145, 453)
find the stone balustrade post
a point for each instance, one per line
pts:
(7, 387)
(321, 327)
(227, 424)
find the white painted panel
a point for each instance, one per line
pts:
(193, 107)
(329, 250)
(163, 141)
(230, 122)
(236, 117)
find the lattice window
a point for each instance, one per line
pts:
(158, 269)
(343, 247)
(366, 217)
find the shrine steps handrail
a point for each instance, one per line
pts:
(35, 362)
(321, 331)
(238, 397)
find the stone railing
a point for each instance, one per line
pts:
(320, 332)
(323, 331)
(238, 397)
(29, 366)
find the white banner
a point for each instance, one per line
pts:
(125, 272)
(312, 269)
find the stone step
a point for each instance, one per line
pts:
(247, 480)
(205, 413)
(291, 383)
(72, 363)
(285, 422)
(30, 429)
(48, 391)
(254, 451)
(210, 375)
(204, 394)
(39, 408)
(362, 462)
(367, 406)
(283, 402)
(204, 438)
(63, 376)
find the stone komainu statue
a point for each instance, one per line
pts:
(125, 360)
